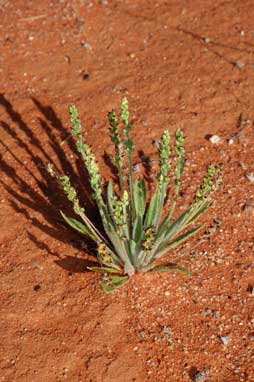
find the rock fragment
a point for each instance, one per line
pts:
(224, 340)
(200, 376)
(215, 139)
(249, 176)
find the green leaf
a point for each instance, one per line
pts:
(120, 249)
(161, 199)
(139, 195)
(103, 269)
(199, 210)
(107, 288)
(137, 229)
(113, 283)
(118, 280)
(110, 191)
(78, 226)
(133, 246)
(166, 233)
(152, 210)
(168, 230)
(169, 268)
(134, 251)
(179, 240)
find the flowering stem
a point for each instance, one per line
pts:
(162, 176)
(116, 139)
(128, 143)
(179, 147)
(71, 194)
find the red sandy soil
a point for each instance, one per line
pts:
(187, 64)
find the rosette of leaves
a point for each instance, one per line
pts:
(134, 233)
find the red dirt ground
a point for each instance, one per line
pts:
(180, 63)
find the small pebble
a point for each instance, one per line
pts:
(200, 376)
(215, 139)
(250, 176)
(230, 141)
(211, 312)
(239, 64)
(224, 340)
(207, 40)
(86, 45)
(135, 167)
(167, 293)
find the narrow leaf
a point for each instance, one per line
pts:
(110, 191)
(137, 229)
(78, 226)
(166, 232)
(114, 282)
(118, 280)
(152, 209)
(103, 269)
(199, 211)
(133, 246)
(179, 240)
(120, 249)
(166, 229)
(107, 288)
(139, 195)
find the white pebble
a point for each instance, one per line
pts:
(215, 139)
(239, 64)
(224, 340)
(250, 176)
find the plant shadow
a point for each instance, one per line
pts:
(146, 163)
(74, 264)
(32, 192)
(215, 47)
(109, 163)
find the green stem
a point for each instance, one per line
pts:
(127, 227)
(160, 207)
(172, 209)
(132, 205)
(120, 178)
(88, 222)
